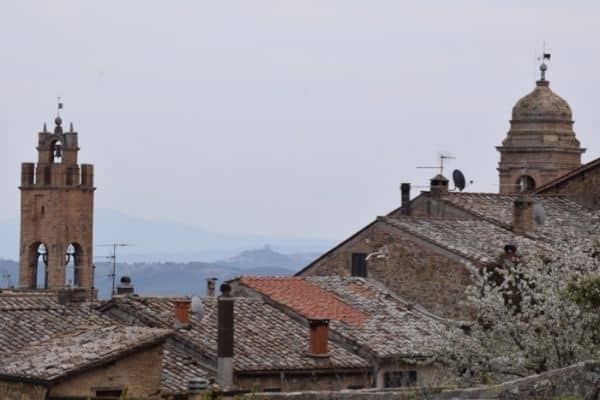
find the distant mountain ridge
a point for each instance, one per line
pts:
(166, 241)
(182, 278)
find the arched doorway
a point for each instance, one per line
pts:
(73, 264)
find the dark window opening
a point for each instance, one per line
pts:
(400, 378)
(109, 393)
(359, 264)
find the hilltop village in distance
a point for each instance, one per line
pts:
(379, 315)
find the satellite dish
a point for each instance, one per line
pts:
(539, 213)
(197, 307)
(459, 179)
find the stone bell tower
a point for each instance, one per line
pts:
(57, 206)
(540, 145)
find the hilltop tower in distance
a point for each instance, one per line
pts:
(57, 207)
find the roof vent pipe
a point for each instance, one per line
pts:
(225, 337)
(210, 286)
(405, 198)
(523, 221)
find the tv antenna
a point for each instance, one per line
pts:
(440, 167)
(113, 257)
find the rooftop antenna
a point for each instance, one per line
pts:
(113, 257)
(440, 167)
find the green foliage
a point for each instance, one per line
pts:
(585, 291)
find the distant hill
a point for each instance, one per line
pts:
(166, 241)
(184, 278)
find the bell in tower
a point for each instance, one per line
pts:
(57, 206)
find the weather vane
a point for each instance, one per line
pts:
(59, 106)
(545, 56)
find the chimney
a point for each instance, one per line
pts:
(182, 313)
(125, 286)
(319, 336)
(210, 286)
(225, 337)
(523, 215)
(510, 252)
(405, 198)
(439, 185)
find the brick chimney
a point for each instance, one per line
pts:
(125, 286)
(225, 337)
(319, 337)
(522, 221)
(182, 313)
(438, 185)
(210, 286)
(405, 198)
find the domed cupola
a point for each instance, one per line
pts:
(540, 145)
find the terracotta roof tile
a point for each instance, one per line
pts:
(306, 299)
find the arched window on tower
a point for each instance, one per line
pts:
(526, 184)
(73, 265)
(56, 152)
(38, 255)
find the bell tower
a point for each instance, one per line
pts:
(57, 206)
(541, 144)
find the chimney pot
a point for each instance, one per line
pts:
(439, 185)
(182, 313)
(210, 286)
(125, 286)
(405, 198)
(523, 221)
(319, 337)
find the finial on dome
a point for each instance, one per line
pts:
(543, 67)
(58, 127)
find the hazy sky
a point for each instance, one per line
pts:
(282, 117)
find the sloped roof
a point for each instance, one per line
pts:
(391, 327)
(78, 350)
(266, 339)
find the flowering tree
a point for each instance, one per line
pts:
(533, 314)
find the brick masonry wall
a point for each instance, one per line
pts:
(140, 373)
(584, 188)
(414, 270)
(21, 391)
(580, 381)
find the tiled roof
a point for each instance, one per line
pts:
(391, 327)
(265, 337)
(565, 220)
(309, 300)
(69, 352)
(476, 240)
(179, 367)
(27, 317)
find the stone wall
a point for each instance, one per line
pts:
(21, 391)
(583, 188)
(140, 373)
(414, 269)
(287, 382)
(580, 381)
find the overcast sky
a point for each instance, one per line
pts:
(282, 117)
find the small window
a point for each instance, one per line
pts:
(359, 264)
(109, 393)
(393, 379)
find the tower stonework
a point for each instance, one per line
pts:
(540, 145)
(57, 206)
